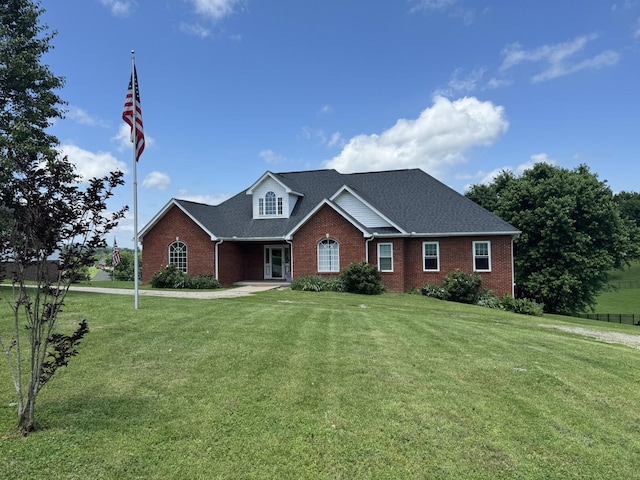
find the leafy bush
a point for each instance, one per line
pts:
(488, 299)
(203, 282)
(523, 306)
(171, 277)
(362, 278)
(434, 291)
(317, 284)
(462, 287)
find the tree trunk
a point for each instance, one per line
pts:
(27, 415)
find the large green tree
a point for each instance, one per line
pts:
(629, 205)
(44, 210)
(572, 233)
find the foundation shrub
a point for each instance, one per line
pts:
(362, 278)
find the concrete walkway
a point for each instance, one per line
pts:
(242, 291)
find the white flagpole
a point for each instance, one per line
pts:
(134, 81)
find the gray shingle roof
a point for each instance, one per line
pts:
(412, 199)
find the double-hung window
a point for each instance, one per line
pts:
(482, 256)
(431, 256)
(385, 257)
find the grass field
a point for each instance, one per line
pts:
(622, 300)
(331, 386)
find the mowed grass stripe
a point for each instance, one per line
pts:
(301, 385)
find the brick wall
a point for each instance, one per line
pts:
(245, 260)
(455, 253)
(155, 252)
(305, 242)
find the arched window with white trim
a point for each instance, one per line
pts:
(178, 255)
(328, 256)
(270, 203)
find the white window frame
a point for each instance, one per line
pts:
(390, 256)
(330, 264)
(270, 202)
(178, 258)
(477, 257)
(437, 256)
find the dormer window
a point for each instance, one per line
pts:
(270, 205)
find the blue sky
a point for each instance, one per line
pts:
(232, 88)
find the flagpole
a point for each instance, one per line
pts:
(135, 183)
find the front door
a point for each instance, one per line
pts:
(276, 263)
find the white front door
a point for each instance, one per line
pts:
(276, 263)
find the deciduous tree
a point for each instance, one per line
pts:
(572, 233)
(44, 210)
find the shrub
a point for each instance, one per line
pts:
(169, 277)
(523, 306)
(462, 287)
(434, 291)
(203, 282)
(362, 278)
(317, 284)
(488, 299)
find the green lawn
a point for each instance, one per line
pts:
(625, 299)
(331, 386)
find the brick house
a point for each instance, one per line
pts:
(287, 225)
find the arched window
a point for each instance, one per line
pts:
(328, 256)
(178, 255)
(270, 203)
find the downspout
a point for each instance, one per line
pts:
(290, 242)
(217, 256)
(513, 271)
(366, 248)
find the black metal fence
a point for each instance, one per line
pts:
(628, 318)
(624, 284)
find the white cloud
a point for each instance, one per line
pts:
(206, 199)
(452, 7)
(434, 142)
(462, 82)
(123, 138)
(157, 180)
(83, 117)
(488, 177)
(89, 164)
(325, 110)
(195, 30)
(432, 4)
(120, 8)
(215, 9)
(560, 58)
(270, 156)
(336, 140)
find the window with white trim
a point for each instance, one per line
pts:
(482, 256)
(328, 256)
(270, 203)
(431, 256)
(385, 257)
(178, 255)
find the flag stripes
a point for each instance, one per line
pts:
(115, 259)
(133, 98)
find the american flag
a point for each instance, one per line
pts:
(115, 260)
(128, 115)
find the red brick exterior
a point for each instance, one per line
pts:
(245, 260)
(175, 224)
(455, 253)
(326, 222)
